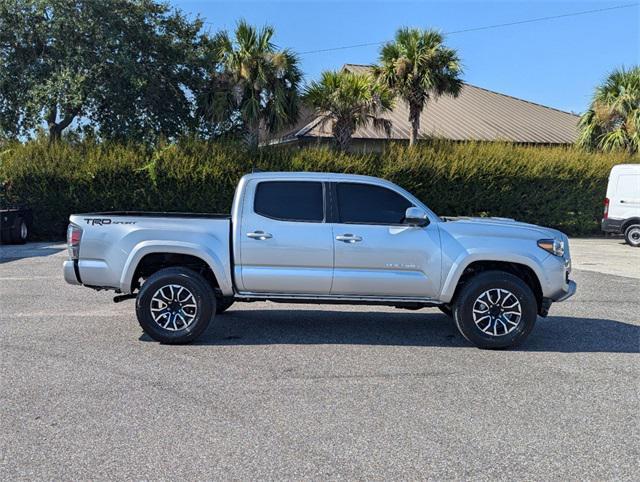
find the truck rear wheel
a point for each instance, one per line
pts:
(632, 235)
(175, 305)
(495, 309)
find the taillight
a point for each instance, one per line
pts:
(606, 208)
(74, 234)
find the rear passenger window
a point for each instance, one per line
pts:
(369, 204)
(290, 200)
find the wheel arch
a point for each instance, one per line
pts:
(629, 222)
(522, 267)
(149, 257)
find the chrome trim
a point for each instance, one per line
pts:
(261, 235)
(349, 238)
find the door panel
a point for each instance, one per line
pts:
(282, 256)
(376, 254)
(388, 261)
(626, 203)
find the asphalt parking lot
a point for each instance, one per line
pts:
(311, 392)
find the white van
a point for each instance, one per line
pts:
(622, 204)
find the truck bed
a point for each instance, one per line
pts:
(113, 243)
(158, 214)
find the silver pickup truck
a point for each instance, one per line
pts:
(322, 238)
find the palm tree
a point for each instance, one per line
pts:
(258, 85)
(350, 100)
(417, 66)
(613, 119)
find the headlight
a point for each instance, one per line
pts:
(553, 246)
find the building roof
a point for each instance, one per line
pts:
(476, 114)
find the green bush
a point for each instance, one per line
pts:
(552, 186)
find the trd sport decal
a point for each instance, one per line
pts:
(105, 221)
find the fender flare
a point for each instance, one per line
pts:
(466, 258)
(140, 250)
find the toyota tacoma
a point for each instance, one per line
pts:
(322, 238)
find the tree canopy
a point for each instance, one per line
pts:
(257, 87)
(417, 66)
(613, 119)
(349, 100)
(122, 68)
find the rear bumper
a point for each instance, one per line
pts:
(612, 225)
(69, 270)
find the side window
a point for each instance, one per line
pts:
(629, 185)
(369, 204)
(290, 200)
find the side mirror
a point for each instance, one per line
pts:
(414, 216)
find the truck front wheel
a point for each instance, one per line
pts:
(495, 309)
(175, 305)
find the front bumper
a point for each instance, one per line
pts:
(566, 293)
(69, 270)
(569, 292)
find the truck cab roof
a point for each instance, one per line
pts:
(318, 176)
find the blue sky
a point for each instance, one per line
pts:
(555, 63)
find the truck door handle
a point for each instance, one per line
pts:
(349, 238)
(261, 235)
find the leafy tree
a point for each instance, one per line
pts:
(349, 100)
(127, 68)
(258, 85)
(613, 119)
(417, 66)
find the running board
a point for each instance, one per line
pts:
(338, 300)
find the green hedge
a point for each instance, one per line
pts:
(552, 186)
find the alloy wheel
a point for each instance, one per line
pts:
(173, 307)
(497, 312)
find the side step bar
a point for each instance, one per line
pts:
(338, 300)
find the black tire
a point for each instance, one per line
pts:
(20, 232)
(223, 304)
(632, 235)
(446, 309)
(195, 284)
(474, 289)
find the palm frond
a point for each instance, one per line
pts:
(349, 100)
(417, 66)
(612, 120)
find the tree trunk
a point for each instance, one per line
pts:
(414, 119)
(252, 136)
(342, 132)
(56, 128)
(55, 133)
